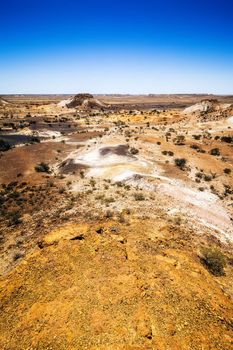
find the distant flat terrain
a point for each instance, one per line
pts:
(127, 101)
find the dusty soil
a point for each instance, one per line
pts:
(128, 287)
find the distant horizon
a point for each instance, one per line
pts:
(130, 47)
(114, 94)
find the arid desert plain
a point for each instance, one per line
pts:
(116, 222)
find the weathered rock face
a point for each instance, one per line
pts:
(209, 109)
(3, 102)
(229, 110)
(203, 106)
(79, 99)
(85, 101)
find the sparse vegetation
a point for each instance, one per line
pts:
(139, 197)
(179, 140)
(138, 220)
(14, 218)
(227, 139)
(227, 171)
(213, 260)
(4, 146)
(215, 152)
(134, 150)
(42, 168)
(180, 163)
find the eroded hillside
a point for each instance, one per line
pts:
(108, 222)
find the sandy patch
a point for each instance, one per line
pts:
(113, 162)
(42, 133)
(203, 207)
(63, 103)
(47, 133)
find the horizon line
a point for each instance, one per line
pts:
(119, 94)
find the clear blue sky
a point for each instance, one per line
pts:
(149, 46)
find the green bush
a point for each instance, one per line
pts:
(179, 140)
(42, 168)
(207, 177)
(34, 139)
(213, 260)
(228, 139)
(134, 151)
(14, 218)
(227, 171)
(4, 146)
(139, 197)
(215, 152)
(180, 162)
(17, 256)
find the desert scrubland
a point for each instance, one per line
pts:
(116, 221)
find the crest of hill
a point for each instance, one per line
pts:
(3, 102)
(85, 101)
(57, 294)
(79, 99)
(206, 105)
(230, 110)
(209, 107)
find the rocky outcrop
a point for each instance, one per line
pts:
(209, 109)
(3, 102)
(85, 101)
(203, 106)
(79, 100)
